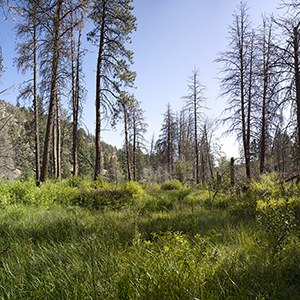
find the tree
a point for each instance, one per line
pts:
(237, 83)
(76, 75)
(55, 39)
(166, 144)
(55, 56)
(114, 23)
(206, 157)
(125, 103)
(282, 150)
(28, 31)
(138, 128)
(268, 77)
(194, 105)
(289, 50)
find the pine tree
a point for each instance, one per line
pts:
(166, 144)
(114, 23)
(28, 31)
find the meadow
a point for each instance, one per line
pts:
(77, 239)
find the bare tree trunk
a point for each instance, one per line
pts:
(249, 110)
(243, 107)
(263, 126)
(58, 140)
(127, 146)
(297, 83)
(134, 146)
(75, 98)
(170, 145)
(196, 129)
(54, 150)
(232, 176)
(36, 110)
(53, 93)
(98, 167)
(266, 69)
(207, 146)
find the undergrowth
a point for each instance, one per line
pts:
(74, 239)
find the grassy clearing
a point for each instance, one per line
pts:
(145, 243)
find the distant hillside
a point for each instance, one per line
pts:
(17, 146)
(11, 128)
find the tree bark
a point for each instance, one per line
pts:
(196, 130)
(127, 147)
(232, 176)
(36, 109)
(53, 92)
(58, 139)
(134, 146)
(249, 107)
(297, 84)
(98, 166)
(75, 98)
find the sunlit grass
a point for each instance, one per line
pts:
(59, 251)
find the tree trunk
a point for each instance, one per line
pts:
(127, 150)
(54, 151)
(58, 139)
(263, 123)
(196, 131)
(134, 146)
(36, 110)
(266, 67)
(75, 98)
(248, 135)
(297, 83)
(53, 92)
(98, 167)
(232, 179)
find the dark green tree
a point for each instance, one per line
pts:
(113, 25)
(166, 145)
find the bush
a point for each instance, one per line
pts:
(267, 187)
(277, 219)
(173, 184)
(132, 190)
(109, 196)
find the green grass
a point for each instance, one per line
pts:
(142, 249)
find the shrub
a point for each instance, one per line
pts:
(132, 190)
(54, 192)
(172, 184)
(109, 196)
(267, 187)
(277, 219)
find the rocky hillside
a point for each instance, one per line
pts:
(11, 127)
(17, 146)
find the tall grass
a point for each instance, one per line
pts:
(146, 244)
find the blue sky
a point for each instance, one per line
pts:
(173, 37)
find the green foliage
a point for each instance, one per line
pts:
(267, 187)
(105, 195)
(277, 219)
(183, 170)
(243, 210)
(145, 242)
(173, 184)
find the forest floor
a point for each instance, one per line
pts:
(74, 239)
